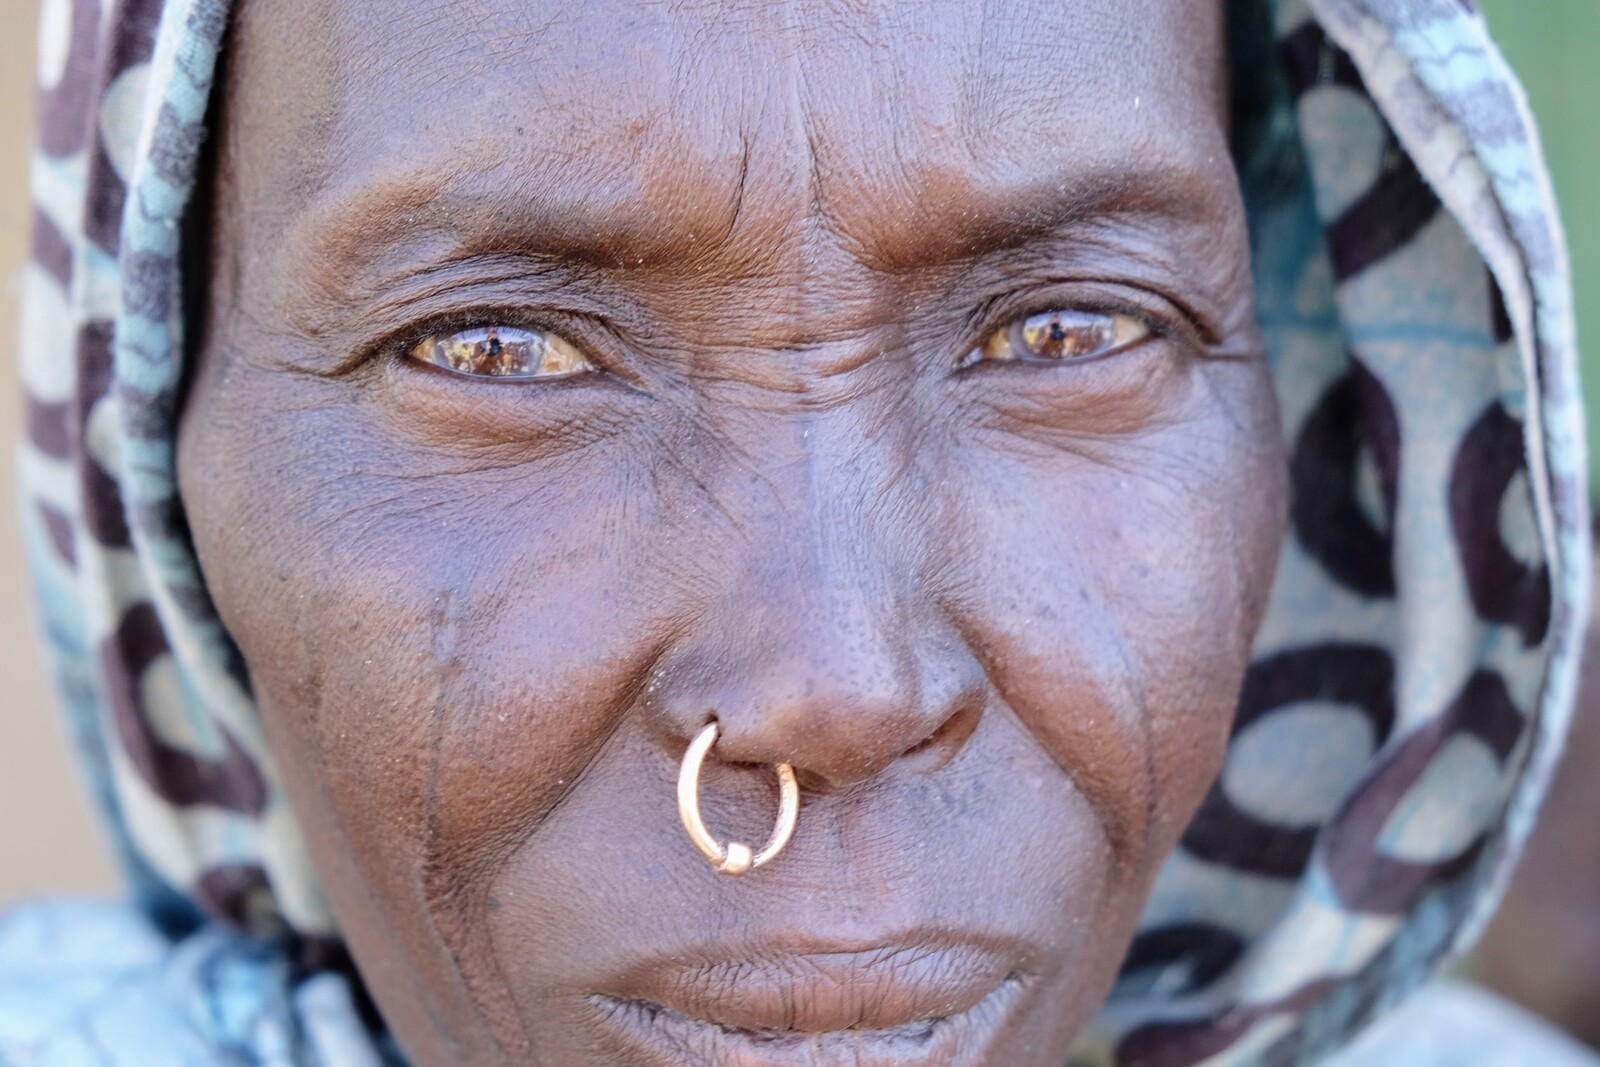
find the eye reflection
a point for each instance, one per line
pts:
(1059, 336)
(503, 352)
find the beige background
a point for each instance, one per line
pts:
(48, 839)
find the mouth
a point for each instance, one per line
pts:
(890, 1006)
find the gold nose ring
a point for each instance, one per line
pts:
(735, 858)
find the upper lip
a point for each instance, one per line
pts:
(821, 987)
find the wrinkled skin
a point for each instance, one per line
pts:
(995, 615)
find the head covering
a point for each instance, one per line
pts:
(1409, 688)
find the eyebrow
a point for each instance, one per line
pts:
(1006, 218)
(568, 221)
(562, 218)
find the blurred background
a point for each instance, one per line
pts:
(50, 842)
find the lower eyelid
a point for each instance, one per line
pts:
(459, 411)
(503, 380)
(1065, 366)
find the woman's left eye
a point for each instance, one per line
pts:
(503, 352)
(1059, 336)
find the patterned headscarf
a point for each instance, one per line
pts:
(1409, 688)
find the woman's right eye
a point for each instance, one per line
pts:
(505, 352)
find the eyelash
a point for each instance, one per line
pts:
(397, 347)
(1165, 322)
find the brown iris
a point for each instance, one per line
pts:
(1061, 335)
(503, 352)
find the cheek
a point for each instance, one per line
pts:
(438, 657)
(1116, 597)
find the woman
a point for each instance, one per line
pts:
(536, 452)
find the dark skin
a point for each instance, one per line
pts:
(993, 603)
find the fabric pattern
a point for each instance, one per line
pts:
(96, 983)
(1447, 1025)
(155, 690)
(1410, 686)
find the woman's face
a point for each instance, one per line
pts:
(887, 389)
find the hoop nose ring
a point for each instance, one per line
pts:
(735, 858)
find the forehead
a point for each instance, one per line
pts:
(694, 115)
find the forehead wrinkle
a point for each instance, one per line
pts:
(371, 98)
(930, 196)
(660, 195)
(999, 130)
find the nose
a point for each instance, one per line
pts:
(841, 682)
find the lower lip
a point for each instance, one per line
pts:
(660, 1037)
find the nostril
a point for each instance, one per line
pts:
(817, 783)
(838, 721)
(941, 746)
(931, 754)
